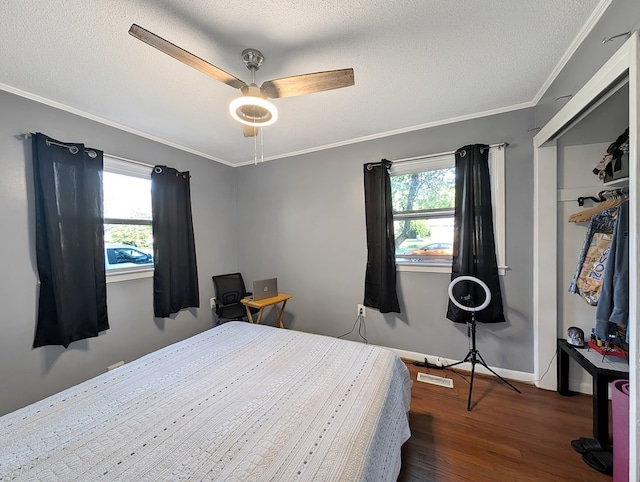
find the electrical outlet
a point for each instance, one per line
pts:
(361, 311)
(212, 303)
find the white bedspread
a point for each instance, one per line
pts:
(238, 402)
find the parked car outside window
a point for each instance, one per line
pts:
(125, 256)
(435, 249)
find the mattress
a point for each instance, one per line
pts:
(239, 402)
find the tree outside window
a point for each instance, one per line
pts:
(423, 204)
(423, 192)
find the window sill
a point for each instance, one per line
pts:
(116, 275)
(423, 268)
(430, 268)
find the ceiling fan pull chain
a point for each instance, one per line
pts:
(255, 151)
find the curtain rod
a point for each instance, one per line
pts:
(28, 136)
(448, 153)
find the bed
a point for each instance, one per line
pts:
(239, 402)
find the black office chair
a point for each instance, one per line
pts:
(229, 289)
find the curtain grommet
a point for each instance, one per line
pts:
(463, 153)
(157, 170)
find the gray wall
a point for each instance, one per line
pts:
(621, 16)
(28, 374)
(303, 222)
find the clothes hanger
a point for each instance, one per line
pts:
(611, 199)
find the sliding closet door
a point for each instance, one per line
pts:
(634, 269)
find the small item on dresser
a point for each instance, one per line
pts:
(607, 349)
(575, 337)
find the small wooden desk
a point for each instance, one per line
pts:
(603, 373)
(263, 303)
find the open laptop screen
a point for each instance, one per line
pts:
(265, 288)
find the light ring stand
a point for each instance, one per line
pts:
(473, 356)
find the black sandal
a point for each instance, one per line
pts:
(600, 461)
(584, 445)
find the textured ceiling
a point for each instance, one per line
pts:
(416, 63)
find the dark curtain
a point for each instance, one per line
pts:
(175, 279)
(474, 249)
(72, 302)
(380, 277)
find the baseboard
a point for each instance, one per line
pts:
(438, 360)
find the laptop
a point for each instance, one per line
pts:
(265, 288)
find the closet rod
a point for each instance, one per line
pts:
(604, 195)
(150, 166)
(448, 153)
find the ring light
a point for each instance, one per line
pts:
(472, 309)
(473, 356)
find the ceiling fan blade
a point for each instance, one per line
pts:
(249, 131)
(185, 57)
(308, 83)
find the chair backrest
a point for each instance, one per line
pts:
(229, 288)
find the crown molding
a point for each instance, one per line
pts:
(110, 123)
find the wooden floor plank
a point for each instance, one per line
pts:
(505, 437)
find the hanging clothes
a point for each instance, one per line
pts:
(602, 222)
(613, 306)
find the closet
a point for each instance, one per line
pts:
(566, 149)
(578, 153)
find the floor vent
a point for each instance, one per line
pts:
(434, 380)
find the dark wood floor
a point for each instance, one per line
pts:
(505, 437)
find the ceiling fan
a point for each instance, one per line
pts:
(253, 109)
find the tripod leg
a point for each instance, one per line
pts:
(454, 364)
(484, 364)
(466, 359)
(473, 370)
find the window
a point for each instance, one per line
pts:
(128, 236)
(423, 194)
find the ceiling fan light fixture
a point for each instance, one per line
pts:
(253, 111)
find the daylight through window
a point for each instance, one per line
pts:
(423, 206)
(423, 194)
(128, 236)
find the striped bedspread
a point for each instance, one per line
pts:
(239, 402)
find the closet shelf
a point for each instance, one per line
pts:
(623, 181)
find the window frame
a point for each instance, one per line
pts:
(116, 165)
(444, 161)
